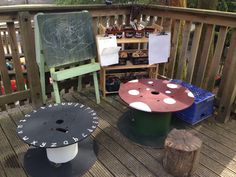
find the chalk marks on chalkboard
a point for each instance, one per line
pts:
(66, 37)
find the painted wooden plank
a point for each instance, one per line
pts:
(220, 158)
(204, 56)
(103, 21)
(76, 71)
(120, 19)
(228, 86)
(9, 128)
(2, 172)
(6, 42)
(229, 126)
(203, 171)
(151, 20)
(15, 56)
(174, 48)
(113, 164)
(8, 158)
(120, 153)
(194, 49)
(99, 170)
(111, 20)
(215, 145)
(216, 167)
(220, 130)
(159, 21)
(217, 137)
(95, 25)
(87, 174)
(214, 66)
(196, 17)
(183, 53)
(4, 72)
(167, 28)
(29, 51)
(13, 97)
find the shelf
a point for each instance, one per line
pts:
(129, 65)
(149, 70)
(132, 40)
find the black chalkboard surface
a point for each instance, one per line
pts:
(66, 37)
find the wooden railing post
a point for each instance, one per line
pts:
(227, 91)
(29, 52)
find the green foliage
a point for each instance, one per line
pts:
(223, 5)
(192, 3)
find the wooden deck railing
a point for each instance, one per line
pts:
(191, 59)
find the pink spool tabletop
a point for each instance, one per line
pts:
(155, 95)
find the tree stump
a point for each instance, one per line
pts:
(182, 151)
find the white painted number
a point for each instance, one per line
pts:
(43, 144)
(25, 138)
(54, 145)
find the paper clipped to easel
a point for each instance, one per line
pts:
(159, 47)
(108, 50)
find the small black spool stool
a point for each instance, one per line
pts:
(60, 132)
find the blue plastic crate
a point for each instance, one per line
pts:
(202, 107)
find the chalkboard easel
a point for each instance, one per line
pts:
(63, 39)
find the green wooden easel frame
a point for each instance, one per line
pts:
(60, 75)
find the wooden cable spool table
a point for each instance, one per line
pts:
(60, 132)
(152, 102)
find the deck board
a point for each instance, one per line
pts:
(118, 156)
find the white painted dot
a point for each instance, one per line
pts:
(147, 88)
(133, 92)
(169, 101)
(172, 86)
(167, 91)
(150, 82)
(133, 81)
(190, 94)
(140, 106)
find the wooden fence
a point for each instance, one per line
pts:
(198, 47)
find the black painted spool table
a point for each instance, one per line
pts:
(60, 132)
(152, 102)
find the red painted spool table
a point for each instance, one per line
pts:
(153, 101)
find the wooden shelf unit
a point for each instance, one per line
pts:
(152, 69)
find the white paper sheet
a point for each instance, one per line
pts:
(159, 48)
(108, 50)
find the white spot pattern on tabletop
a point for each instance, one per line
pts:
(147, 88)
(169, 101)
(150, 82)
(167, 91)
(140, 106)
(190, 94)
(173, 86)
(133, 81)
(133, 92)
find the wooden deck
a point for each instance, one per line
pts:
(117, 155)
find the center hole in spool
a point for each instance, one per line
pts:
(59, 121)
(155, 92)
(63, 130)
